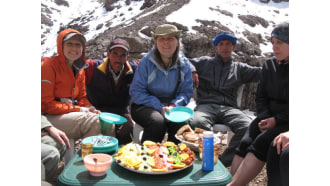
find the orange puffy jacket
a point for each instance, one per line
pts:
(58, 81)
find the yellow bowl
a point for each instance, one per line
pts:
(98, 167)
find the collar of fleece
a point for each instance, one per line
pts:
(104, 67)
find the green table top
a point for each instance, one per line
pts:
(75, 173)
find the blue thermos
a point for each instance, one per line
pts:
(208, 151)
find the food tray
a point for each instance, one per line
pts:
(194, 146)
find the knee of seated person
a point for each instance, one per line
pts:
(94, 129)
(243, 146)
(285, 154)
(199, 123)
(63, 149)
(54, 154)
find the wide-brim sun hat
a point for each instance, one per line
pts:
(281, 32)
(224, 36)
(72, 34)
(166, 29)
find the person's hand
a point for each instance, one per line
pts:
(93, 109)
(44, 133)
(89, 109)
(281, 142)
(166, 109)
(266, 124)
(59, 135)
(128, 116)
(66, 100)
(195, 79)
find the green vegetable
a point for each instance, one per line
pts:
(172, 150)
(177, 159)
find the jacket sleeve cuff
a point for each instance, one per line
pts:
(75, 108)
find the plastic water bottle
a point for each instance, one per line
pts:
(208, 151)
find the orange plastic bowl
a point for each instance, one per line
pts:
(98, 167)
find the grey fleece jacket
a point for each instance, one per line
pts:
(219, 81)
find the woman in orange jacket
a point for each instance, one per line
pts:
(63, 93)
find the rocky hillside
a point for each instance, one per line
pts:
(153, 13)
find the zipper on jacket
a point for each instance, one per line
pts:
(76, 76)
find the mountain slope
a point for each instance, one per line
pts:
(94, 18)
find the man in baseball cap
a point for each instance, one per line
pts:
(108, 82)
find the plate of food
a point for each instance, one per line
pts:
(179, 114)
(192, 138)
(155, 158)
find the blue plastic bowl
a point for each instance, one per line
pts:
(107, 120)
(108, 147)
(179, 114)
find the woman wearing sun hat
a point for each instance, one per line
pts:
(272, 102)
(163, 80)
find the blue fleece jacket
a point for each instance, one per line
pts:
(151, 83)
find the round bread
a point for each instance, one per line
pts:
(184, 128)
(190, 136)
(199, 130)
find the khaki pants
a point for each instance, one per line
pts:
(75, 124)
(51, 153)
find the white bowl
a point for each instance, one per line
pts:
(102, 164)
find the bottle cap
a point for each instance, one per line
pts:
(208, 134)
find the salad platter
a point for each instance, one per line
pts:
(155, 158)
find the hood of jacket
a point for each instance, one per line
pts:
(81, 61)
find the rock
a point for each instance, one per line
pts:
(253, 20)
(254, 38)
(46, 20)
(147, 4)
(127, 2)
(62, 2)
(225, 12)
(98, 27)
(196, 45)
(247, 48)
(108, 5)
(147, 31)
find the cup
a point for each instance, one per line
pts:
(216, 152)
(86, 149)
(106, 128)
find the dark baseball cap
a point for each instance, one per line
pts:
(119, 43)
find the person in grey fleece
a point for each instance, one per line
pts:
(219, 80)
